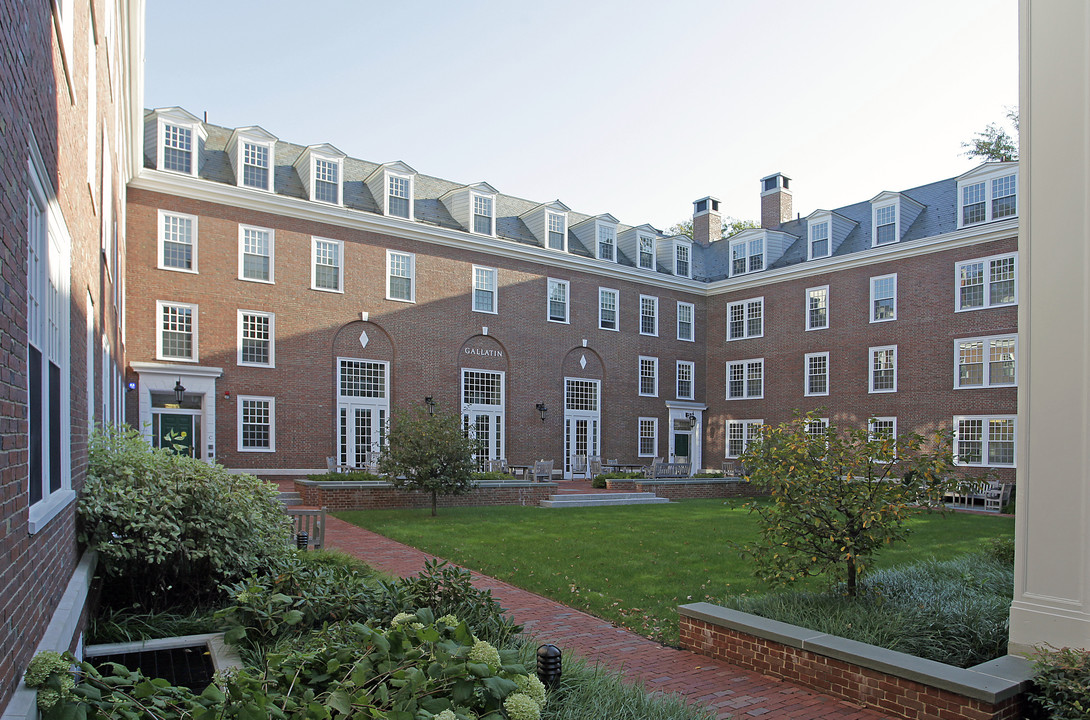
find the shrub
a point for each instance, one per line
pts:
(1061, 688)
(599, 481)
(169, 529)
(710, 474)
(1000, 548)
(593, 692)
(354, 476)
(491, 476)
(130, 624)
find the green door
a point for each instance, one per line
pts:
(681, 445)
(176, 433)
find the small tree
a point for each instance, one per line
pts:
(838, 497)
(731, 226)
(429, 453)
(994, 142)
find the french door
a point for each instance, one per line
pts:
(582, 423)
(482, 413)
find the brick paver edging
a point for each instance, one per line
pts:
(730, 691)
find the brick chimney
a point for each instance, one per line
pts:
(775, 201)
(707, 222)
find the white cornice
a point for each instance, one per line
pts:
(147, 368)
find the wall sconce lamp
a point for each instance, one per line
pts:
(179, 391)
(691, 417)
(226, 394)
(430, 402)
(542, 410)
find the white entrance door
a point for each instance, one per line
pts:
(362, 433)
(582, 424)
(482, 413)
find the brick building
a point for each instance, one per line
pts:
(70, 99)
(299, 296)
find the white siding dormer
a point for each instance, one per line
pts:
(474, 207)
(825, 232)
(756, 249)
(676, 253)
(642, 246)
(178, 140)
(549, 224)
(599, 235)
(393, 187)
(988, 193)
(252, 154)
(892, 214)
(321, 169)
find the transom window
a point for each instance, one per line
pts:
(480, 387)
(400, 276)
(177, 241)
(255, 338)
(649, 315)
(607, 309)
(581, 395)
(745, 379)
(740, 433)
(647, 252)
(649, 376)
(177, 148)
(745, 319)
(482, 215)
(326, 181)
(986, 282)
(177, 331)
(817, 308)
(558, 300)
(883, 369)
(885, 224)
(255, 254)
(681, 260)
(685, 380)
(883, 298)
(747, 256)
(985, 361)
(256, 422)
(326, 270)
(817, 373)
(362, 379)
(557, 232)
(986, 441)
(685, 320)
(607, 242)
(255, 165)
(484, 289)
(399, 199)
(819, 240)
(648, 437)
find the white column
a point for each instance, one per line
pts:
(1052, 558)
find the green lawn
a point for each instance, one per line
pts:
(634, 564)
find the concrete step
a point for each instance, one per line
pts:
(597, 499)
(290, 498)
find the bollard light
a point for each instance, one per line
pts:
(549, 665)
(302, 540)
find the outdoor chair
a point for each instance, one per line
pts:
(730, 468)
(594, 466)
(579, 465)
(996, 495)
(543, 471)
(498, 465)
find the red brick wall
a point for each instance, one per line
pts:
(381, 497)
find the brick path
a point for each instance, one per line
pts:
(730, 691)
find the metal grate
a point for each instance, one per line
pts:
(189, 667)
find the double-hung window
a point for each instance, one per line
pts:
(883, 298)
(817, 308)
(327, 184)
(177, 148)
(646, 258)
(819, 240)
(883, 369)
(649, 376)
(685, 321)
(817, 429)
(747, 256)
(882, 428)
(740, 433)
(885, 224)
(607, 242)
(1004, 197)
(558, 301)
(745, 319)
(256, 165)
(327, 268)
(177, 241)
(255, 254)
(399, 196)
(984, 440)
(816, 368)
(988, 199)
(986, 282)
(745, 379)
(607, 309)
(484, 289)
(483, 215)
(558, 232)
(685, 372)
(256, 338)
(649, 315)
(985, 361)
(648, 437)
(682, 265)
(401, 276)
(256, 424)
(177, 337)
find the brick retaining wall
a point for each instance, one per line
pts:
(381, 495)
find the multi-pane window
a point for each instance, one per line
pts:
(745, 379)
(480, 387)
(817, 308)
(177, 241)
(401, 276)
(326, 180)
(883, 369)
(747, 256)
(983, 440)
(973, 206)
(816, 366)
(326, 270)
(685, 371)
(649, 376)
(177, 331)
(648, 437)
(817, 428)
(882, 428)
(607, 242)
(1004, 197)
(649, 315)
(256, 424)
(681, 260)
(362, 379)
(985, 361)
(255, 165)
(986, 282)
(177, 148)
(819, 240)
(685, 321)
(745, 319)
(399, 199)
(255, 254)
(885, 224)
(646, 258)
(558, 300)
(581, 395)
(484, 289)
(883, 298)
(256, 333)
(557, 231)
(740, 433)
(482, 215)
(607, 309)
(1002, 193)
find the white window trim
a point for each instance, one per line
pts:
(563, 231)
(985, 440)
(473, 301)
(745, 436)
(550, 282)
(745, 379)
(616, 309)
(161, 217)
(412, 275)
(745, 320)
(242, 254)
(639, 376)
(896, 205)
(160, 139)
(986, 380)
(412, 194)
(272, 339)
(339, 162)
(692, 321)
(597, 242)
(243, 140)
(810, 327)
(640, 237)
(870, 310)
(746, 241)
(655, 333)
(988, 178)
(873, 420)
(987, 274)
(806, 374)
(193, 308)
(272, 424)
(655, 424)
(871, 369)
(692, 379)
(811, 225)
(314, 264)
(678, 245)
(473, 214)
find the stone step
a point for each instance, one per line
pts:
(289, 498)
(596, 499)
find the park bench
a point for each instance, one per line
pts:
(671, 470)
(310, 521)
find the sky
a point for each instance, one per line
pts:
(633, 108)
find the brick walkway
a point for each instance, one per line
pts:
(731, 692)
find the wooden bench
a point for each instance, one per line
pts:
(663, 470)
(310, 521)
(335, 467)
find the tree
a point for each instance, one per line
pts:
(994, 143)
(730, 227)
(429, 453)
(839, 496)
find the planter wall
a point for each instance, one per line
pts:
(379, 495)
(690, 488)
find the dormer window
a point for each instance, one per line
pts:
(988, 193)
(819, 240)
(399, 197)
(177, 148)
(251, 152)
(885, 224)
(557, 232)
(179, 138)
(482, 215)
(747, 256)
(607, 243)
(256, 162)
(682, 266)
(647, 252)
(327, 182)
(1004, 197)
